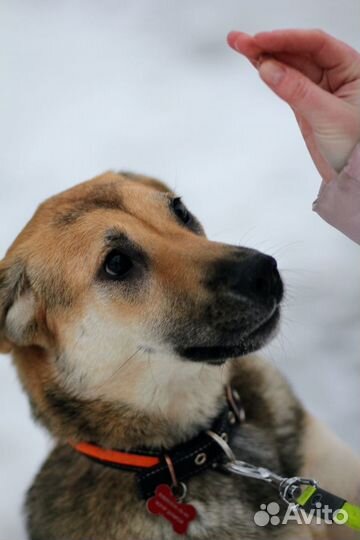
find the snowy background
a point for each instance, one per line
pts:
(151, 86)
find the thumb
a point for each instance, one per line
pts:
(298, 91)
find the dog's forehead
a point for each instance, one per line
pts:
(130, 194)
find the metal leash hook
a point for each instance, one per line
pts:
(289, 488)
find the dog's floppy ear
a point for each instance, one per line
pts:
(17, 307)
(154, 183)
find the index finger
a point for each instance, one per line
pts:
(245, 44)
(328, 51)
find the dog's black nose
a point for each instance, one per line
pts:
(257, 277)
(254, 276)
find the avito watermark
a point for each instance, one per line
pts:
(268, 514)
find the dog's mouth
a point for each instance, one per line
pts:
(254, 340)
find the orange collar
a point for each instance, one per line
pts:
(115, 457)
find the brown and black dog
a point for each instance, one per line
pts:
(125, 324)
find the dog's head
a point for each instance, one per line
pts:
(115, 279)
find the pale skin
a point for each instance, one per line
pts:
(319, 77)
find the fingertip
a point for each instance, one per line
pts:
(244, 44)
(232, 34)
(232, 38)
(238, 40)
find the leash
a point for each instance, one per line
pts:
(298, 492)
(161, 475)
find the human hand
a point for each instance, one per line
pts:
(319, 77)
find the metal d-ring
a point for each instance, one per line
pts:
(179, 489)
(236, 406)
(223, 444)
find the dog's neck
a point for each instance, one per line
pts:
(164, 410)
(165, 406)
(181, 393)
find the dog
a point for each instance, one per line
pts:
(126, 326)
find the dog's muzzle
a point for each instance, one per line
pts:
(245, 291)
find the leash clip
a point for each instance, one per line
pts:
(242, 468)
(289, 488)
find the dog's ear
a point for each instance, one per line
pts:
(17, 307)
(158, 185)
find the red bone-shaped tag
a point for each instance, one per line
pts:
(164, 504)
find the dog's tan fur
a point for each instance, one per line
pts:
(95, 368)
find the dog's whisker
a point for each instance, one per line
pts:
(156, 387)
(231, 229)
(301, 271)
(119, 368)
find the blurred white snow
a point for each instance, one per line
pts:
(152, 87)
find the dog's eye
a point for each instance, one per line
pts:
(117, 265)
(180, 210)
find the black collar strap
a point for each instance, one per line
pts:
(180, 462)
